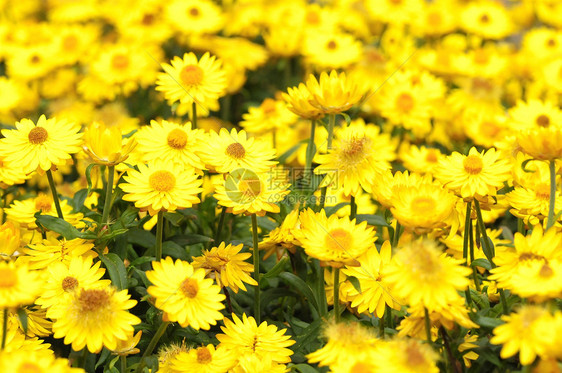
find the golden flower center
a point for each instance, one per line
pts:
(191, 75)
(531, 257)
(431, 156)
(28, 367)
(434, 18)
(70, 42)
(481, 84)
(120, 61)
(396, 2)
(473, 164)
(177, 138)
(543, 192)
(204, 355)
(331, 45)
(338, 240)
(8, 277)
(194, 12)
(405, 102)
(162, 181)
(414, 355)
(489, 129)
(189, 287)
(354, 148)
(43, 203)
(484, 18)
(421, 205)
(93, 299)
(546, 271)
(542, 120)
(35, 59)
(360, 367)
(37, 135)
(268, 106)
(69, 283)
(312, 17)
(250, 187)
(481, 57)
(148, 19)
(235, 150)
(551, 42)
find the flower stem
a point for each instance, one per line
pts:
(123, 359)
(4, 328)
(256, 255)
(389, 319)
(331, 125)
(337, 294)
(108, 192)
(194, 115)
(219, 227)
(353, 208)
(467, 223)
(310, 153)
(381, 326)
(159, 234)
(155, 338)
(427, 326)
(550, 221)
(396, 236)
(54, 192)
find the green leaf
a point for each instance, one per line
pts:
(266, 223)
(61, 227)
(103, 357)
(308, 335)
(301, 286)
(524, 165)
(78, 200)
(372, 219)
(283, 158)
(484, 263)
(116, 269)
(488, 322)
(304, 368)
(141, 238)
(22, 316)
(141, 260)
(174, 218)
(189, 239)
(170, 248)
(487, 248)
(89, 177)
(346, 117)
(355, 282)
(277, 269)
(333, 209)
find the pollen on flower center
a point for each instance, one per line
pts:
(312, 18)
(147, 19)
(542, 120)
(235, 150)
(423, 205)
(194, 12)
(484, 18)
(120, 61)
(69, 283)
(434, 18)
(473, 164)
(177, 138)
(339, 240)
(38, 135)
(189, 287)
(162, 181)
(250, 187)
(191, 75)
(331, 45)
(543, 192)
(354, 148)
(8, 277)
(405, 102)
(43, 203)
(204, 355)
(531, 256)
(29, 368)
(93, 300)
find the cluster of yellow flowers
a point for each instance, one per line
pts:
(401, 159)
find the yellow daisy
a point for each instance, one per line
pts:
(47, 252)
(533, 114)
(298, 101)
(160, 186)
(194, 16)
(420, 159)
(541, 143)
(406, 356)
(331, 50)
(204, 359)
(488, 19)
(38, 147)
(333, 93)
(105, 146)
(10, 236)
(185, 294)
(271, 115)
(18, 285)
(34, 361)
(10, 175)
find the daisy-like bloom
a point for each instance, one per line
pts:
(64, 278)
(298, 101)
(406, 356)
(10, 237)
(475, 175)
(469, 345)
(421, 159)
(246, 192)
(34, 361)
(166, 356)
(39, 147)
(18, 285)
(127, 346)
(269, 116)
(534, 114)
(375, 293)
(94, 318)
(336, 241)
(542, 143)
(161, 185)
(44, 254)
(528, 331)
(227, 266)
(252, 363)
(532, 203)
(10, 175)
(487, 19)
(355, 361)
(424, 207)
(227, 151)
(385, 187)
(194, 16)
(245, 337)
(188, 80)
(281, 239)
(342, 339)
(395, 12)
(334, 93)
(204, 359)
(331, 50)
(171, 141)
(185, 294)
(104, 144)
(420, 274)
(360, 154)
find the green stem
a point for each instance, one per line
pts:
(381, 326)
(274, 138)
(323, 191)
(219, 227)
(155, 338)
(331, 125)
(427, 326)
(4, 328)
(550, 221)
(321, 289)
(194, 115)
(471, 252)
(337, 294)
(396, 236)
(159, 234)
(4, 205)
(123, 359)
(256, 255)
(225, 108)
(353, 208)
(84, 357)
(55, 194)
(310, 150)
(108, 192)
(388, 314)
(521, 226)
(467, 224)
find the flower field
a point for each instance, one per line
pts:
(346, 186)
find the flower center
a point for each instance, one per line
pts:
(339, 240)
(69, 283)
(396, 2)
(405, 102)
(43, 203)
(8, 277)
(434, 18)
(268, 106)
(35, 59)
(37, 135)
(481, 85)
(29, 368)
(551, 42)
(189, 288)
(489, 129)
(120, 61)
(361, 367)
(331, 45)
(194, 12)
(70, 42)
(148, 19)
(93, 299)
(354, 148)
(422, 205)
(531, 257)
(204, 355)
(484, 18)
(250, 187)
(162, 181)
(473, 164)
(431, 156)
(546, 271)
(414, 355)
(191, 75)
(312, 17)
(177, 138)
(481, 57)
(543, 192)
(542, 120)
(236, 150)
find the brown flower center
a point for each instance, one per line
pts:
(148, 19)
(473, 164)
(93, 299)
(162, 181)
(35, 59)
(120, 61)
(191, 75)
(542, 120)
(361, 367)
(69, 283)
(194, 12)
(405, 102)
(431, 156)
(546, 271)
(236, 150)
(189, 287)
(37, 135)
(484, 18)
(331, 45)
(8, 277)
(204, 355)
(177, 138)
(43, 203)
(414, 355)
(434, 18)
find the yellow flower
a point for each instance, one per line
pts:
(542, 143)
(298, 101)
(39, 147)
(333, 93)
(227, 266)
(127, 346)
(42, 255)
(331, 50)
(271, 115)
(105, 146)
(18, 285)
(10, 238)
(394, 12)
(406, 356)
(188, 80)
(204, 359)
(534, 114)
(185, 294)
(336, 241)
(94, 318)
(281, 238)
(244, 337)
(10, 175)
(487, 19)
(420, 159)
(160, 186)
(194, 16)
(34, 361)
